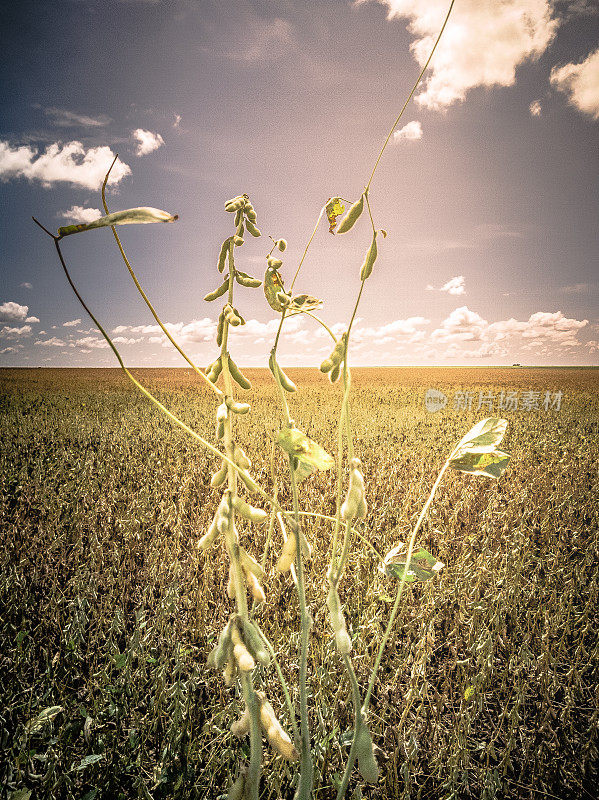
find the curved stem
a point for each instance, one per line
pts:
(214, 388)
(418, 79)
(299, 266)
(318, 319)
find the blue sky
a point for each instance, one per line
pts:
(487, 189)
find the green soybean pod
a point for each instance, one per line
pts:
(352, 216)
(334, 373)
(223, 254)
(238, 240)
(249, 483)
(237, 408)
(217, 292)
(219, 477)
(276, 370)
(369, 259)
(274, 263)
(238, 218)
(367, 765)
(237, 375)
(237, 790)
(282, 244)
(327, 365)
(240, 458)
(235, 204)
(339, 351)
(251, 228)
(218, 656)
(247, 280)
(214, 370)
(220, 329)
(254, 642)
(249, 512)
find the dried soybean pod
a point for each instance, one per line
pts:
(250, 564)
(220, 430)
(281, 244)
(220, 329)
(251, 228)
(230, 670)
(287, 557)
(241, 726)
(237, 241)
(369, 259)
(237, 375)
(235, 204)
(211, 534)
(222, 412)
(334, 373)
(253, 640)
(254, 586)
(223, 254)
(352, 216)
(244, 659)
(305, 546)
(240, 458)
(367, 764)
(217, 292)
(335, 614)
(249, 512)
(219, 477)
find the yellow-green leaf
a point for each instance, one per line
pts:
(481, 463)
(422, 567)
(334, 209)
(273, 284)
(297, 444)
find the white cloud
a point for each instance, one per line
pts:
(460, 326)
(32, 319)
(581, 83)
(81, 214)
(9, 333)
(455, 286)
(124, 340)
(535, 108)
(90, 342)
(65, 119)
(72, 323)
(8, 350)
(147, 141)
(177, 122)
(61, 163)
(410, 132)
(26, 285)
(483, 44)
(53, 342)
(12, 310)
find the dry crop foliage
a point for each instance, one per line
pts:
(243, 650)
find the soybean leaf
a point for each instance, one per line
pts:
(304, 302)
(484, 436)
(491, 464)
(303, 471)
(88, 761)
(423, 565)
(334, 209)
(47, 715)
(298, 445)
(132, 216)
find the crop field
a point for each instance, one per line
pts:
(489, 686)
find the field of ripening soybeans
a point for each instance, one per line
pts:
(489, 684)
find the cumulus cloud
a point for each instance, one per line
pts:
(12, 310)
(26, 285)
(535, 108)
(454, 286)
(61, 163)
(90, 342)
(581, 83)
(147, 141)
(32, 319)
(8, 350)
(81, 214)
(410, 132)
(10, 333)
(483, 44)
(53, 342)
(72, 323)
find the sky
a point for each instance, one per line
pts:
(487, 189)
